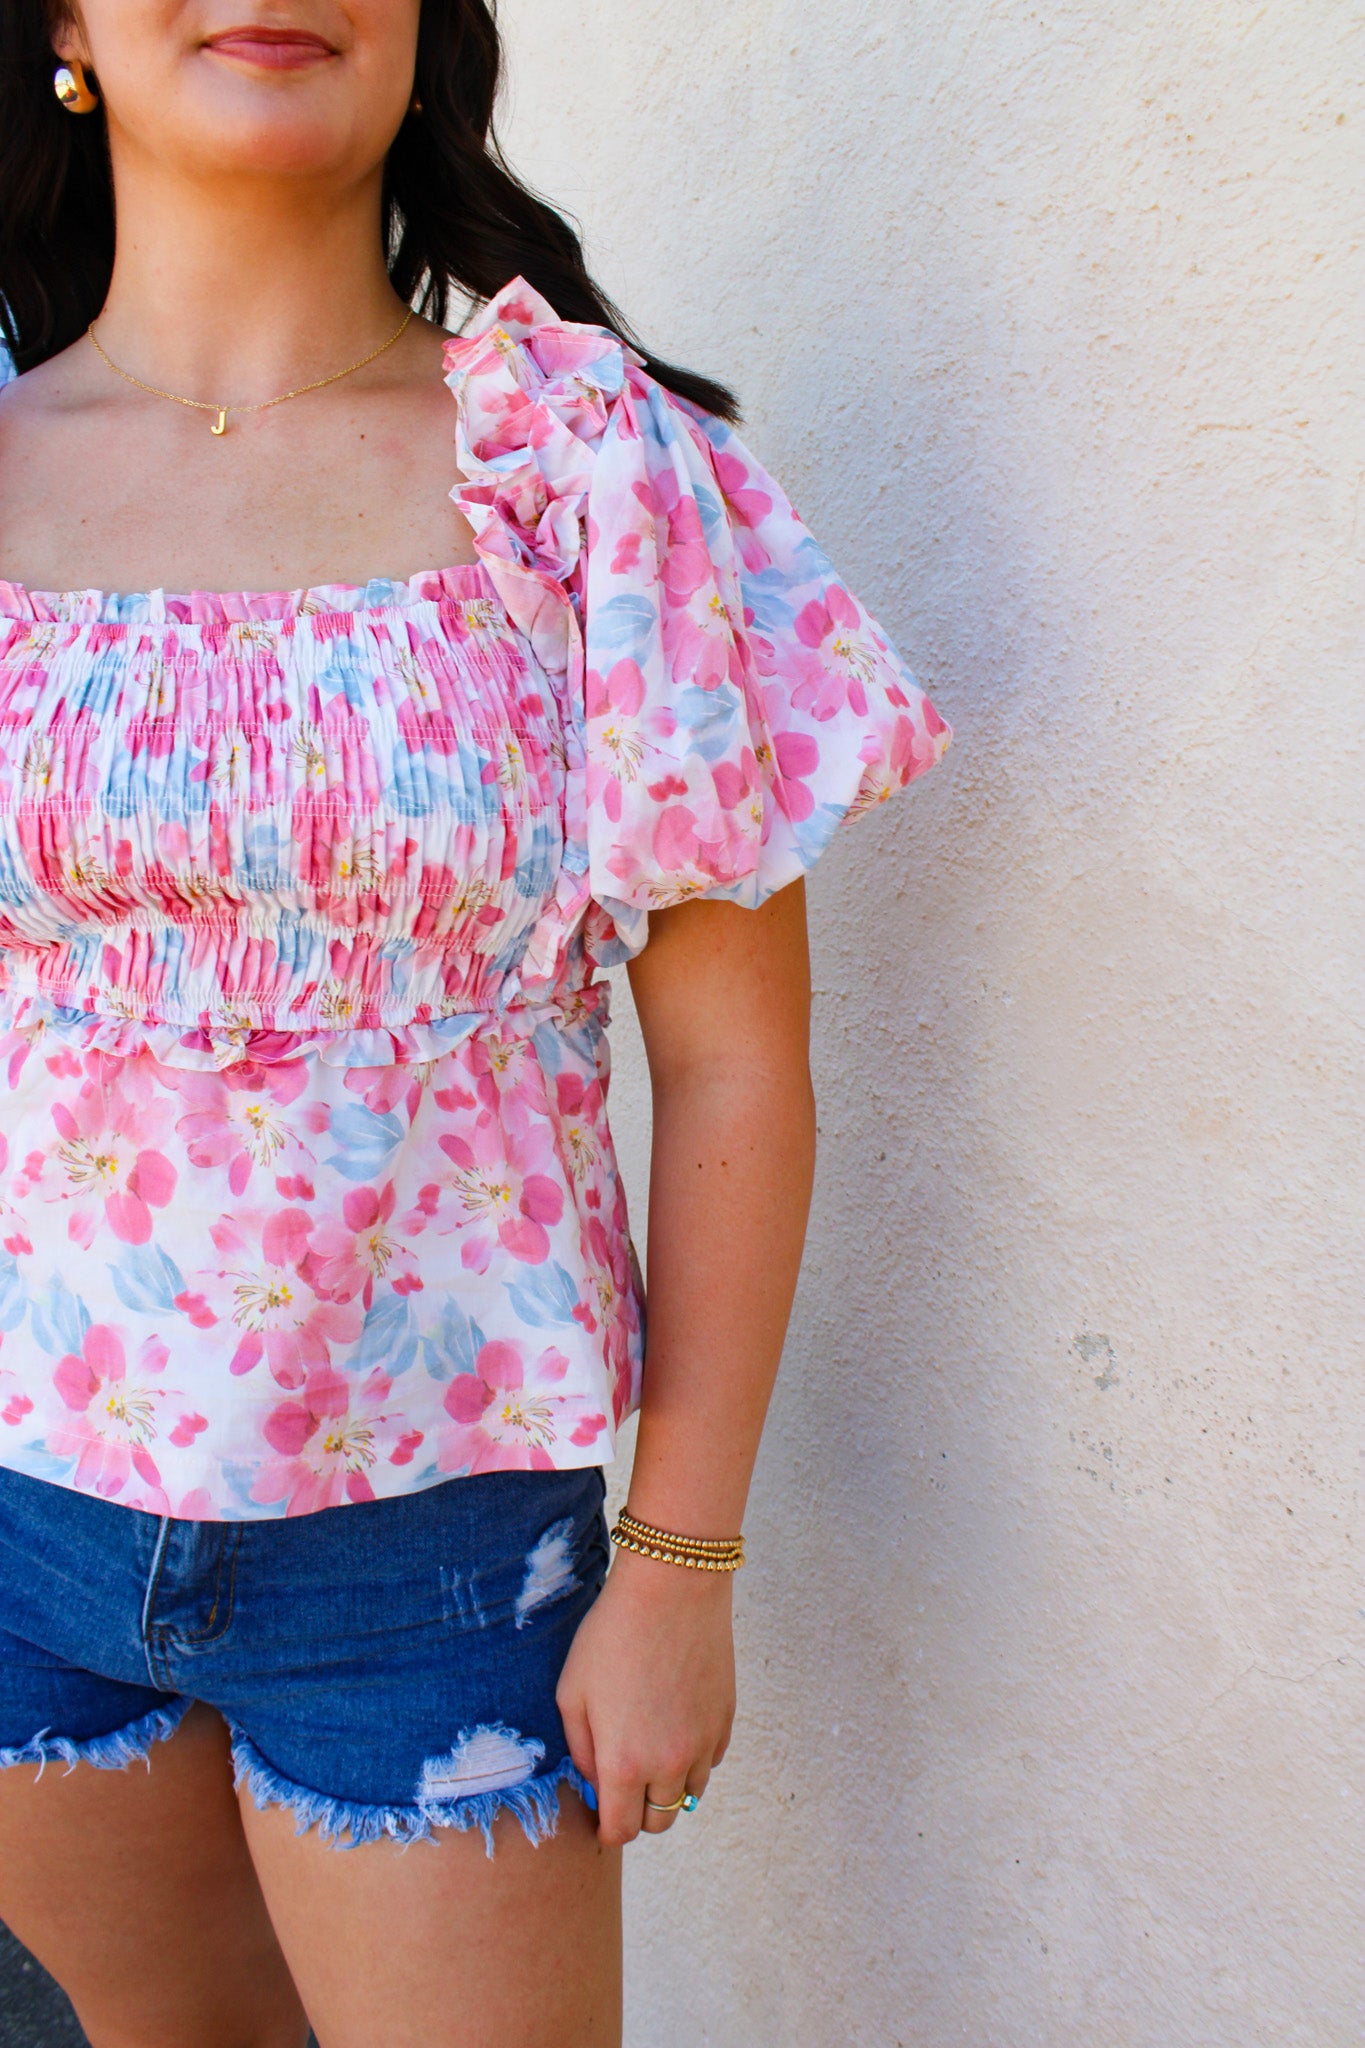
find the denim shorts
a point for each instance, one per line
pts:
(385, 1668)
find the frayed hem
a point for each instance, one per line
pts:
(534, 1802)
(113, 1752)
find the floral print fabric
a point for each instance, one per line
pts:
(307, 1191)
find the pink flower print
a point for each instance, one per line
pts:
(17, 1404)
(197, 1505)
(224, 1126)
(507, 1417)
(328, 1440)
(608, 1264)
(346, 1255)
(685, 566)
(497, 1179)
(509, 1083)
(384, 1088)
(796, 757)
(834, 663)
(15, 1047)
(196, 1308)
(699, 640)
(581, 1107)
(110, 1163)
(280, 1318)
(750, 505)
(113, 1418)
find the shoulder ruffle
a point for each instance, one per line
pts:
(732, 699)
(534, 395)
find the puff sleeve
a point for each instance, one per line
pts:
(736, 701)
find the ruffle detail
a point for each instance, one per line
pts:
(26, 1020)
(733, 702)
(466, 583)
(534, 396)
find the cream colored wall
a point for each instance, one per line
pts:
(1054, 1637)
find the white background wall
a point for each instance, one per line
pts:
(1053, 1641)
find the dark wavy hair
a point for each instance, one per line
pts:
(459, 221)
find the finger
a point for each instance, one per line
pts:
(657, 1822)
(695, 1783)
(620, 1808)
(578, 1735)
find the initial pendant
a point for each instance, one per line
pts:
(220, 424)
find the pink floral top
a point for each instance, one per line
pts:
(307, 1193)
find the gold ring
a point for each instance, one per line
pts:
(688, 1802)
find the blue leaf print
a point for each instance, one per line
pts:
(549, 1050)
(367, 1140)
(41, 1463)
(410, 791)
(16, 884)
(342, 677)
(810, 564)
(535, 872)
(712, 512)
(454, 1345)
(389, 1338)
(767, 595)
(13, 1299)
(146, 1279)
(625, 624)
(545, 1297)
(260, 852)
(813, 834)
(240, 1479)
(60, 1322)
(710, 717)
(98, 692)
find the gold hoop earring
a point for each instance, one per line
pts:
(73, 88)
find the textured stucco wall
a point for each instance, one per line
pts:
(1054, 1638)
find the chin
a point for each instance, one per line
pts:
(287, 141)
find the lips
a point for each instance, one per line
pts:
(272, 49)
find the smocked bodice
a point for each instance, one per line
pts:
(320, 816)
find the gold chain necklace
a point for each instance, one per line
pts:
(220, 424)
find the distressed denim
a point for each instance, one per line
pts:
(385, 1668)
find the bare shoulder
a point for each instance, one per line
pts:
(416, 364)
(50, 391)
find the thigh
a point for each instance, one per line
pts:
(433, 1944)
(135, 1888)
(418, 1826)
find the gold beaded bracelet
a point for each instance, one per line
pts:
(697, 1553)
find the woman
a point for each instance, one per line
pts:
(319, 1309)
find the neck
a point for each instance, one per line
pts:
(232, 295)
